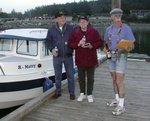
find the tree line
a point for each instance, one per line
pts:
(99, 7)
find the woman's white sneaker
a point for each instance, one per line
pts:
(81, 97)
(90, 98)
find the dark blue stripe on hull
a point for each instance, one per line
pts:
(24, 85)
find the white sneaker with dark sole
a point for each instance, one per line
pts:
(90, 98)
(118, 110)
(81, 97)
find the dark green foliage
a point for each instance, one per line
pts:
(99, 7)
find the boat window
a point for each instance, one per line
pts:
(6, 44)
(45, 51)
(27, 47)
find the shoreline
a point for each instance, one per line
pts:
(47, 23)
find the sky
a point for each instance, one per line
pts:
(24, 5)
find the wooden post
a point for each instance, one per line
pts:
(116, 4)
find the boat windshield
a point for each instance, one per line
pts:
(27, 47)
(6, 44)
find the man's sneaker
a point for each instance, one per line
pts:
(112, 103)
(118, 110)
(81, 97)
(90, 98)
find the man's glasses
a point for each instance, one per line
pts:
(117, 15)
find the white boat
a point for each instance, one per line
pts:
(25, 62)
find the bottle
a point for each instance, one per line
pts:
(108, 54)
(84, 39)
(56, 49)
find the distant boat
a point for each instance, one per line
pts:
(25, 63)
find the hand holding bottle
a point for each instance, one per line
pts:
(55, 51)
(84, 44)
(81, 43)
(107, 51)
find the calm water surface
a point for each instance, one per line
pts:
(4, 112)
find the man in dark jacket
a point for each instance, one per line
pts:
(57, 42)
(85, 40)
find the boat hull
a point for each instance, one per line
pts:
(17, 92)
(16, 98)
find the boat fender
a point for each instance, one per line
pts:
(75, 70)
(47, 84)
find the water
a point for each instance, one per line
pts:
(4, 112)
(142, 42)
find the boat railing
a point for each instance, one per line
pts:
(40, 31)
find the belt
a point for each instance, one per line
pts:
(66, 55)
(116, 52)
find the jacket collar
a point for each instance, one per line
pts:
(89, 27)
(64, 27)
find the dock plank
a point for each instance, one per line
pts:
(137, 84)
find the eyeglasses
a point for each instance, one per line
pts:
(117, 15)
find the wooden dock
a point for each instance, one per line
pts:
(137, 101)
